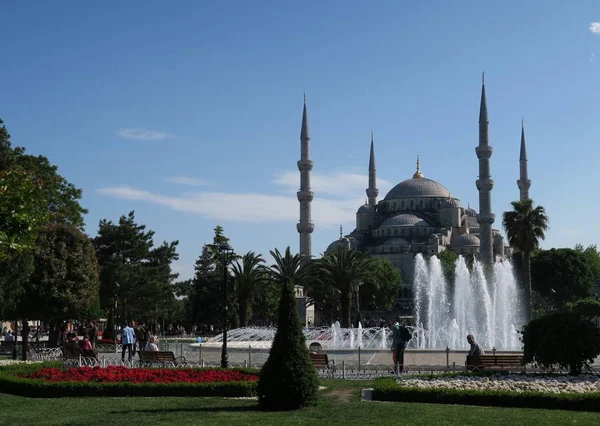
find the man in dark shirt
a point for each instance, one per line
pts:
(93, 333)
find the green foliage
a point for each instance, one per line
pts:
(23, 211)
(448, 259)
(564, 339)
(341, 271)
(525, 226)
(133, 272)
(65, 281)
(288, 380)
(386, 389)
(588, 308)
(205, 304)
(561, 276)
(379, 294)
(35, 388)
(592, 258)
(248, 277)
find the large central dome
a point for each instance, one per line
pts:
(417, 187)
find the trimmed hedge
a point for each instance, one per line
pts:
(386, 389)
(34, 388)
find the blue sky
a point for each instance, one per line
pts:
(189, 112)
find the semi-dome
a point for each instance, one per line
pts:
(466, 240)
(342, 242)
(418, 187)
(404, 220)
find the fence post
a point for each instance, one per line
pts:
(181, 350)
(80, 360)
(454, 366)
(250, 355)
(447, 356)
(494, 351)
(245, 363)
(343, 369)
(200, 352)
(202, 362)
(359, 359)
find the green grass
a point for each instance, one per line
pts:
(339, 404)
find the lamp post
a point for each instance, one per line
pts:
(225, 252)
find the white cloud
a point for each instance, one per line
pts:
(187, 181)
(144, 135)
(342, 185)
(595, 27)
(348, 190)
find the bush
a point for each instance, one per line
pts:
(12, 384)
(386, 389)
(288, 380)
(564, 339)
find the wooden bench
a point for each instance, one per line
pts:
(495, 362)
(321, 362)
(159, 357)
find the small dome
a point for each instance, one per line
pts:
(470, 212)
(466, 240)
(472, 222)
(365, 208)
(342, 242)
(450, 202)
(395, 242)
(404, 220)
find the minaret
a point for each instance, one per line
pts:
(372, 191)
(305, 195)
(524, 182)
(485, 218)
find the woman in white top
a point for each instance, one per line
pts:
(151, 346)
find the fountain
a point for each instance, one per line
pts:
(488, 309)
(445, 313)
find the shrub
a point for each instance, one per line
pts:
(564, 339)
(288, 380)
(386, 389)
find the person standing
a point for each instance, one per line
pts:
(93, 333)
(142, 334)
(127, 341)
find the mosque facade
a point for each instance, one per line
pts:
(418, 215)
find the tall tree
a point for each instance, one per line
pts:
(592, 257)
(379, 293)
(134, 274)
(248, 277)
(47, 197)
(561, 276)
(525, 226)
(207, 293)
(65, 281)
(343, 270)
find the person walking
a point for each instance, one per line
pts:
(127, 341)
(93, 333)
(401, 335)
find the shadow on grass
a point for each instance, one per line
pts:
(223, 408)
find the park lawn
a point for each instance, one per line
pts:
(339, 404)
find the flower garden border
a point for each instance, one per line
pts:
(386, 389)
(10, 383)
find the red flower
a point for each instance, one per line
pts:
(140, 375)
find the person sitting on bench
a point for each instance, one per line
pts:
(475, 348)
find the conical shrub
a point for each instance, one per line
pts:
(288, 379)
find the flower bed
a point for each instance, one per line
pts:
(138, 375)
(518, 390)
(54, 380)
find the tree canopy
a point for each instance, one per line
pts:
(561, 275)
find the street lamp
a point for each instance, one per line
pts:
(225, 252)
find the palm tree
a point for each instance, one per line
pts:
(525, 226)
(248, 276)
(288, 268)
(342, 270)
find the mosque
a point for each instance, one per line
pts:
(418, 215)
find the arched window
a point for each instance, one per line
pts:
(412, 204)
(421, 204)
(403, 205)
(395, 206)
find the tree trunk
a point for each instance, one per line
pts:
(526, 265)
(345, 309)
(25, 334)
(244, 313)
